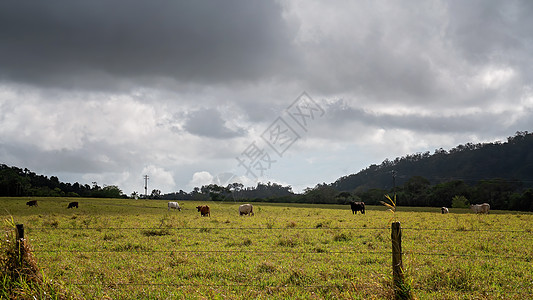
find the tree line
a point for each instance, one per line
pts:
(500, 174)
(17, 182)
(501, 194)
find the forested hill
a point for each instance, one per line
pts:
(511, 160)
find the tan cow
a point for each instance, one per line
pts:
(480, 208)
(246, 209)
(204, 210)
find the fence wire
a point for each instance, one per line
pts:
(527, 234)
(140, 251)
(279, 228)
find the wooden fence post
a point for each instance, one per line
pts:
(20, 241)
(397, 265)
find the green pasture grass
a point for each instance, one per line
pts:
(138, 249)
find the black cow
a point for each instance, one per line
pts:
(357, 206)
(32, 203)
(72, 205)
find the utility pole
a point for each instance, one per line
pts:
(145, 186)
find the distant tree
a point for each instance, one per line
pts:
(321, 193)
(443, 193)
(345, 197)
(156, 194)
(496, 192)
(416, 191)
(460, 202)
(372, 196)
(235, 189)
(523, 202)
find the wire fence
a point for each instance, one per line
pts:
(279, 228)
(525, 234)
(528, 235)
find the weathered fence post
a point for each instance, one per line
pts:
(20, 241)
(397, 265)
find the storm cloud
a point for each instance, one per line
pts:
(108, 91)
(67, 43)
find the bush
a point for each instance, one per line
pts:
(460, 202)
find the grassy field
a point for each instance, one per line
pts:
(137, 249)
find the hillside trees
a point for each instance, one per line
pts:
(15, 182)
(321, 193)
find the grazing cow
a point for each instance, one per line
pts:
(204, 210)
(174, 205)
(357, 206)
(485, 207)
(72, 205)
(444, 210)
(246, 209)
(476, 208)
(480, 208)
(32, 203)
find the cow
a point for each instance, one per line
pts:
(174, 205)
(72, 205)
(204, 210)
(444, 210)
(480, 208)
(246, 209)
(357, 206)
(476, 208)
(32, 203)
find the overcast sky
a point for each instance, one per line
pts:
(294, 92)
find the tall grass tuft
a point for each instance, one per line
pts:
(20, 277)
(391, 204)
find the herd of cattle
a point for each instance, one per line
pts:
(205, 211)
(476, 208)
(34, 203)
(248, 209)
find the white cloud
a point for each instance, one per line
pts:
(200, 178)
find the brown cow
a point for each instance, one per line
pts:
(32, 203)
(357, 206)
(204, 210)
(72, 205)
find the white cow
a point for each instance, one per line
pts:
(246, 209)
(485, 207)
(480, 208)
(174, 205)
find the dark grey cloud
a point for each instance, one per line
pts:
(206, 41)
(93, 158)
(209, 123)
(482, 123)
